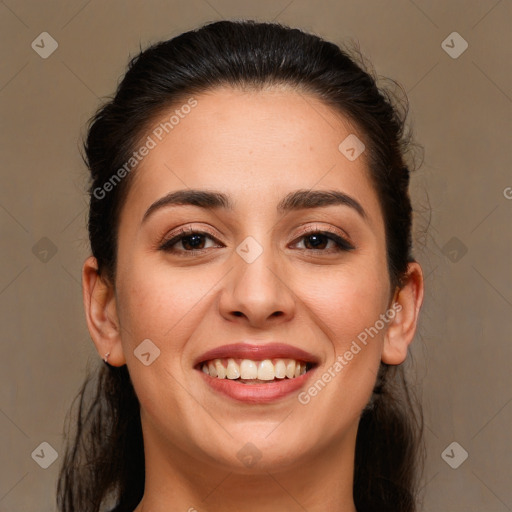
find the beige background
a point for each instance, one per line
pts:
(461, 113)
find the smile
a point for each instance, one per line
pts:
(249, 371)
(256, 374)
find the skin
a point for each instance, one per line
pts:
(256, 147)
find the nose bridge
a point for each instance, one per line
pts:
(257, 290)
(256, 261)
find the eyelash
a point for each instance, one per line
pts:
(341, 243)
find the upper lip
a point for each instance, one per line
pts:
(257, 352)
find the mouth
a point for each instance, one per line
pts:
(256, 374)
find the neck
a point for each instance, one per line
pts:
(175, 479)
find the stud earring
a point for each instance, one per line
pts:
(105, 357)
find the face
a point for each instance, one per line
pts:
(298, 281)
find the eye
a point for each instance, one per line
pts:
(191, 241)
(194, 241)
(319, 241)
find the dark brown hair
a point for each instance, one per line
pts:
(105, 455)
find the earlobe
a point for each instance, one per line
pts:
(406, 305)
(101, 313)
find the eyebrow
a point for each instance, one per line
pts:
(297, 200)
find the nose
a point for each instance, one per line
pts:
(258, 292)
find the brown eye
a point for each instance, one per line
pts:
(319, 240)
(191, 241)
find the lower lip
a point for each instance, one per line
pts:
(257, 393)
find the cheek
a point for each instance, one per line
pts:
(159, 304)
(349, 299)
(166, 307)
(348, 305)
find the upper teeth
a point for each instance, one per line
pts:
(249, 369)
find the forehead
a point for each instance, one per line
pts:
(271, 125)
(253, 145)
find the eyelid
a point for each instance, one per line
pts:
(181, 232)
(189, 229)
(315, 228)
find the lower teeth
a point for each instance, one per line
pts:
(255, 381)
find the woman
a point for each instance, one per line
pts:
(251, 288)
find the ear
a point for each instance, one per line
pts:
(101, 313)
(406, 304)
